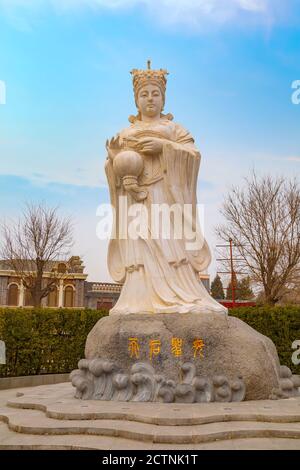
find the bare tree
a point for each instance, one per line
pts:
(32, 245)
(263, 220)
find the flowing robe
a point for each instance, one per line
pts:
(160, 274)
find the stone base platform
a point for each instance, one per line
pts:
(49, 417)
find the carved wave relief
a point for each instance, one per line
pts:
(101, 379)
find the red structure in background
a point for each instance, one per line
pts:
(233, 303)
(236, 303)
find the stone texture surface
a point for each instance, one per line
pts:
(49, 417)
(231, 347)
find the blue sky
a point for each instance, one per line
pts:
(66, 68)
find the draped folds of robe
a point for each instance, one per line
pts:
(159, 273)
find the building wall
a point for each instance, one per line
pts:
(79, 293)
(79, 297)
(99, 299)
(95, 300)
(45, 299)
(3, 289)
(90, 301)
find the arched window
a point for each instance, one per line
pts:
(69, 297)
(53, 298)
(13, 295)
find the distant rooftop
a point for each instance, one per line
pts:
(103, 287)
(72, 265)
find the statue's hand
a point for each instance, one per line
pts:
(150, 145)
(113, 147)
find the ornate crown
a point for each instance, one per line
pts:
(143, 77)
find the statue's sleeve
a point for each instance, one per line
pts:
(180, 164)
(115, 262)
(185, 140)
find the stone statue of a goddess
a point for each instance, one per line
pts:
(154, 163)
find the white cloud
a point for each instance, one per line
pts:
(195, 13)
(293, 159)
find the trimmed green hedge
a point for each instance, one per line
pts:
(280, 324)
(51, 341)
(44, 341)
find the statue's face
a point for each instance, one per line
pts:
(150, 101)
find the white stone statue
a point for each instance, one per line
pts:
(153, 162)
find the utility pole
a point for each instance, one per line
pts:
(233, 277)
(232, 272)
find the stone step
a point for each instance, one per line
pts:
(49, 417)
(63, 406)
(35, 422)
(10, 440)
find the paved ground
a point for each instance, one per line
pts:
(48, 417)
